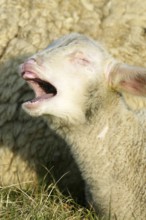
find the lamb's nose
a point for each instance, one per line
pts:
(26, 65)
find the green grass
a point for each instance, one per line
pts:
(40, 204)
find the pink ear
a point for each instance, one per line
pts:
(126, 78)
(79, 57)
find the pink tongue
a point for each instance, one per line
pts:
(29, 75)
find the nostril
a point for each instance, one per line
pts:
(26, 66)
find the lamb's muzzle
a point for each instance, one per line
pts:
(43, 89)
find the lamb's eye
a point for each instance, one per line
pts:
(80, 58)
(84, 61)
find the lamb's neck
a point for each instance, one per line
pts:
(80, 137)
(99, 154)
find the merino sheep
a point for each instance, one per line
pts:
(97, 104)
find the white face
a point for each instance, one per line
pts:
(61, 76)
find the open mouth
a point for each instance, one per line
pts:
(42, 89)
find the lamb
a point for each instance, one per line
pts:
(97, 104)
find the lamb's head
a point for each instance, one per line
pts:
(61, 75)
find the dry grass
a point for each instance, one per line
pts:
(40, 204)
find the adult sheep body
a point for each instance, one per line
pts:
(98, 105)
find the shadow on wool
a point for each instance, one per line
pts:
(31, 139)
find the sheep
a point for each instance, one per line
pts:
(97, 104)
(27, 144)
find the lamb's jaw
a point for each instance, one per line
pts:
(43, 90)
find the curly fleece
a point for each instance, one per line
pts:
(28, 148)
